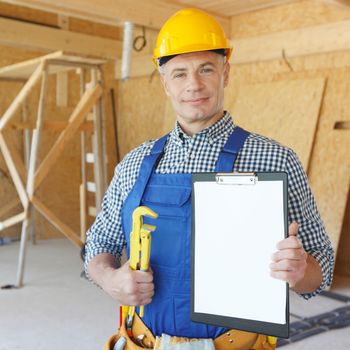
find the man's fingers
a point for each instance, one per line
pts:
(287, 265)
(287, 276)
(290, 254)
(143, 276)
(146, 288)
(291, 242)
(293, 229)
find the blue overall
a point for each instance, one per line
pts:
(169, 195)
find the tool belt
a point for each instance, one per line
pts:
(140, 337)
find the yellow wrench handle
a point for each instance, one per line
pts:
(145, 256)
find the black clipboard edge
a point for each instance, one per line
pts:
(267, 328)
(270, 329)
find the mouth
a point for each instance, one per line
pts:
(196, 101)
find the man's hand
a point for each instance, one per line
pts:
(129, 287)
(123, 284)
(289, 263)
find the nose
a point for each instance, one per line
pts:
(193, 82)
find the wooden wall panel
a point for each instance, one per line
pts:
(329, 169)
(144, 112)
(330, 165)
(342, 266)
(268, 108)
(301, 14)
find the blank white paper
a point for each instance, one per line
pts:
(237, 228)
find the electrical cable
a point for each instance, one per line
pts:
(140, 41)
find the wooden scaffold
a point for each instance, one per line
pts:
(87, 119)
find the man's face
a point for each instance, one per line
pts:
(195, 83)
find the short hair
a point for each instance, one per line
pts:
(165, 59)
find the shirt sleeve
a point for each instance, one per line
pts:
(106, 234)
(303, 210)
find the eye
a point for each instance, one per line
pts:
(179, 75)
(206, 70)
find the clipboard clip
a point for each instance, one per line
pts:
(236, 178)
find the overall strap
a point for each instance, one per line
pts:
(228, 155)
(148, 165)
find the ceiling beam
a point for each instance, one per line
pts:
(41, 38)
(149, 13)
(343, 3)
(315, 40)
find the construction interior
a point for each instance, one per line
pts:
(78, 91)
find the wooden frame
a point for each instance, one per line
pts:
(27, 180)
(46, 39)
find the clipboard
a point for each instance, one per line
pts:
(237, 220)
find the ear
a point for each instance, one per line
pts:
(227, 68)
(164, 83)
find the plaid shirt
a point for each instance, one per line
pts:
(199, 153)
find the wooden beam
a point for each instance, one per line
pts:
(50, 125)
(58, 61)
(12, 221)
(34, 148)
(45, 39)
(62, 89)
(13, 171)
(17, 160)
(83, 155)
(56, 222)
(22, 95)
(345, 4)
(97, 147)
(237, 7)
(26, 133)
(84, 106)
(150, 13)
(83, 218)
(22, 249)
(315, 40)
(92, 211)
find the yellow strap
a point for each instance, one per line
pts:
(272, 340)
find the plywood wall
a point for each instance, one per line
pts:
(267, 108)
(343, 256)
(329, 168)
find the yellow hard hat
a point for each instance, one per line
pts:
(190, 30)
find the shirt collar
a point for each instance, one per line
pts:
(223, 127)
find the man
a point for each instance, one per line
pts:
(192, 56)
